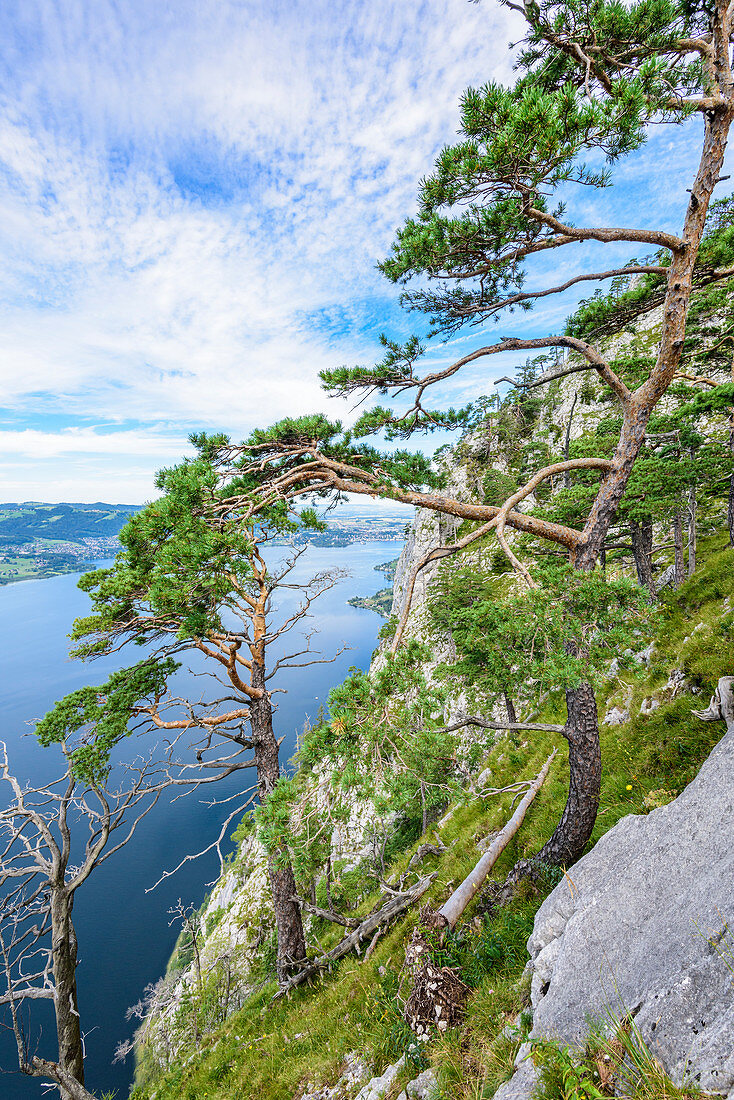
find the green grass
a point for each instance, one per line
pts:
(272, 1050)
(616, 1061)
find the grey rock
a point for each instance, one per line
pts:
(648, 706)
(666, 578)
(645, 655)
(354, 1072)
(487, 841)
(617, 716)
(483, 778)
(377, 1087)
(677, 682)
(628, 930)
(521, 1085)
(613, 672)
(423, 1086)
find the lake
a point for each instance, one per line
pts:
(124, 934)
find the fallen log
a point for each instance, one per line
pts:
(463, 894)
(367, 928)
(438, 995)
(538, 727)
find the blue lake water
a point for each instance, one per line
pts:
(124, 934)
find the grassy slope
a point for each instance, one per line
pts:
(272, 1051)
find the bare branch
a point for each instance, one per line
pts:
(215, 845)
(470, 720)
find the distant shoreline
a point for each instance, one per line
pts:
(39, 541)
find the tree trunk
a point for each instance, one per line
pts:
(453, 908)
(692, 509)
(730, 509)
(510, 707)
(639, 406)
(679, 572)
(579, 815)
(68, 1085)
(291, 940)
(567, 442)
(64, 954)
(584, 759)
(329, 899)
(641, 531)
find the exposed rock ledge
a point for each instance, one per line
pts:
(629, 929)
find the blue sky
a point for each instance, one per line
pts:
(193, 197)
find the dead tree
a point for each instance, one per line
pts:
(721, 706)
(438, 995)
(54, 836)
(642, 541)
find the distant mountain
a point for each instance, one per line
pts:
(24, 522)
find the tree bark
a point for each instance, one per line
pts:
(692, 510)
(641, 531)
(375, 920)
(730, 509)
(291, 940)
(510, 707)
(721, 707)
(67, 1083)
(679, 573)
(574, 830)
(579, 815)
(639, 405)
(64, 953)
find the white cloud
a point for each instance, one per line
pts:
(129, 291)
(193, 199)
(32, 443)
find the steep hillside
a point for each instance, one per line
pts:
(211, 1027)
(277, 1049)
(387, 791)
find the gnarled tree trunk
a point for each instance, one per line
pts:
(641, 531)
(64, 952)
(678, 570)
(291, 940)
(692, 511)
(574, 830)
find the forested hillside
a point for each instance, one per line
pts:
(45, 540)
(21, 523)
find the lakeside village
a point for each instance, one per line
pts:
(46, 558)
(43, 557)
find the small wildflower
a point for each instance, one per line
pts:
(629, 786)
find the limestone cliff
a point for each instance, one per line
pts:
(641, 928)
